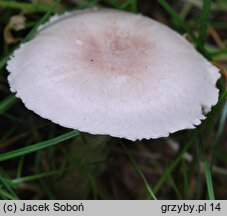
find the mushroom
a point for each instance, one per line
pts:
(105, 71)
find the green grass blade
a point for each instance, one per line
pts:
(7, 103)
(89, 4)
(209, 181)
(2, 195)
(219, 134)
(134, 4)
(170, 10)
(113, 4)
(185, 173)
(204, 22)
(138, 169)
(20, 180)
(215, 5)
(173, 165)
(198, 172)
(222, 124)
(4, 179)
(31, 34)
(219, 25)
(219, 53)
(30, 7)
(130, 5)
(3, 61)
(175, 188)
(20, 167)
(6, 195)
(38, 146)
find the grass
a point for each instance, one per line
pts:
(204, 22)
(178, 20)
(7, 103)
(173, 165)
(138, 169)
(203, 27)
(38, 146)
(209, 181)
(36, 155)
(29, 7)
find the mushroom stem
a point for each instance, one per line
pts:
(84, 159)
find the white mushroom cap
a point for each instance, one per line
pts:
(111, 72)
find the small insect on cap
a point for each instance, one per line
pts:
(112, 72)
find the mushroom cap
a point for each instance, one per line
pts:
(105, 71)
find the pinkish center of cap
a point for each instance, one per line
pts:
(115, 52)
